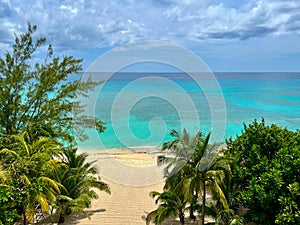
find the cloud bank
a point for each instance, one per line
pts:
(82, 24)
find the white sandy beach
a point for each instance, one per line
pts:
(131, 177)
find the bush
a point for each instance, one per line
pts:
(266, 169)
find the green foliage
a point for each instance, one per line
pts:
(41, 95)
(77, 175)
(290, 212)
(9, 199)
(183, 145)
(266, 171)
(37, 103)
(28, 163)
(172, 203)
(193, 169)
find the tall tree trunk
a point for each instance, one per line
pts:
(203, 202)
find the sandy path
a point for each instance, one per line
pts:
(131, 177)
(125, 206)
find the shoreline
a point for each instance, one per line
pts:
(146, 149)
(128, 166)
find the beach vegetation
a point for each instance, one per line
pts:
(255, 174)
(266, 170)
(78, 177)
(39, 174)
(9, 198)
(27, 162)
(182, 148)
(172, 203)
(194, 170)
(41, 93)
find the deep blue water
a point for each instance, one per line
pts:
(141, 109)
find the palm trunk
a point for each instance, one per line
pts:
(192, 216)
(192, 207)
(203, 202)
(61, 219)
(181, 218)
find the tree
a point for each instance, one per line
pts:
(37, 103)
(9, 198)
(28, 164)
(171, 204)
(208, 174)
(183, 147)
(79, 181)
(192, 170)
(231, 215)
(266, 169)
(41, 95)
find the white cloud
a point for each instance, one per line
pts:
(87, 24)
(221, 22)
(70, 9)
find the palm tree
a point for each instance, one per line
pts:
(183, 148)
(233, 215)
(172, 204)
(78, 179)
(210, 173)
(183, 145)
(28, 162)
(198, 166)
(224, 216)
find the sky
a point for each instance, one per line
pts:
(228, 35)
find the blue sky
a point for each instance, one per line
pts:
(254, 35)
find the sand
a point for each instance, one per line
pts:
(131, 174)
(131, 177)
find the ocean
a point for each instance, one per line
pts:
(140, 109)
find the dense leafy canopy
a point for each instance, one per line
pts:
(10, 197)
(266, 170)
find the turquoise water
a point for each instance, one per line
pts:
(141, 109)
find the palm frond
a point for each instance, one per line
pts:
(52, 184)
(179, 164)
(42, 200)
(215, 188)
(101, 186)
(25, 179)
(21, 139)
(151, 216)
(3, 175)
(164, 213)
(64, 197)
(76, 209)
(8, 151)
